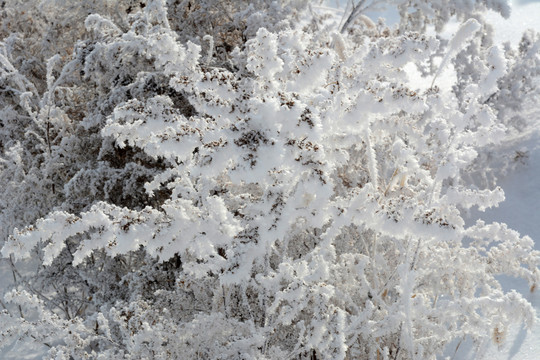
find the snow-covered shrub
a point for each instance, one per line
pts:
(292, 195)
(417, 15)
(516, 85)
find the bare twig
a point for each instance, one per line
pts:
(30, 287)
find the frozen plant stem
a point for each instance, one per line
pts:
(458, 43)
(357, 10)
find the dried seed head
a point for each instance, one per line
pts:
(499, 334)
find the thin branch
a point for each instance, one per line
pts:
(32, 289)
(5, 307)
(356, 10)
(360, 8)
(398, 346)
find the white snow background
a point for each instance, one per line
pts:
(520, 210)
